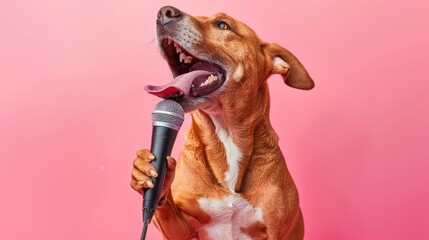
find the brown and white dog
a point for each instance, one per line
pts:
(231, 181)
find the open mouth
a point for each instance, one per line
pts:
(193, 77)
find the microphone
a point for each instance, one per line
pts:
(167, 118)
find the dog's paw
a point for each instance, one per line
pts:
(143, 170)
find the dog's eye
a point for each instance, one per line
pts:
(223, 25)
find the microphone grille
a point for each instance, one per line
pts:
(168, 113)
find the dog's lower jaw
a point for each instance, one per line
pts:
(208, 104)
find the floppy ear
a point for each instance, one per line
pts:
(285, 63)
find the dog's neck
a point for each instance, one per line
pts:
(228, 138)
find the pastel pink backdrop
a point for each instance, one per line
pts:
(73, 112)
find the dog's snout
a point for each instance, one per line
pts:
(168, 14)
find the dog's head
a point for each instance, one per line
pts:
(217, 60)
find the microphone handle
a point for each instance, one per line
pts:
(162, 144)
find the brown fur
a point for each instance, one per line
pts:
(242, 104)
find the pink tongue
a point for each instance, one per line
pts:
(182, 83)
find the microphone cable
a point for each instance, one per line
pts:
(144, 231)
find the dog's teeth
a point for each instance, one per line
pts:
(210, 79)
(178, 94)
(182, 56)
(188, 59)
(169, 40)
(178, 48)
(185, 58)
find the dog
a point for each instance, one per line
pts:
(231, 180)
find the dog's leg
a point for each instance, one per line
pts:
(172, 222)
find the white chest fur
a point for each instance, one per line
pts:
(233, 153)
(228, 216)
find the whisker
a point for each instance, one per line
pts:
(150, 42)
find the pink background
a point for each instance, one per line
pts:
(73, 112)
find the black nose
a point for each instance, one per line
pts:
(167, 14)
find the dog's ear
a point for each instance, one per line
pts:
(285, 63)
